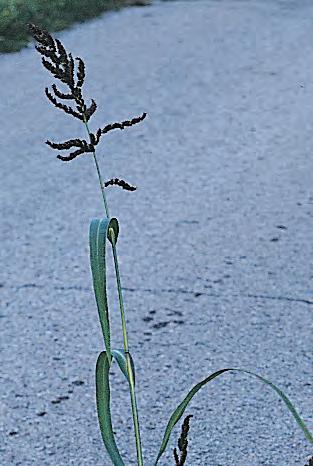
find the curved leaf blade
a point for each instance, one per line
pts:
(103, 400)
(287, 402)
(119, 356)
(98, 234)
(179, 411)
(103, 408)
(115, 226)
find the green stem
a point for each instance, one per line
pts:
(99, 176)
(121, 302)
(128, 364)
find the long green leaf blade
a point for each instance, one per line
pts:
(288, 403)
(99, 279)
(98, 234)
(179, 411)
(103, 400)
(103, 408)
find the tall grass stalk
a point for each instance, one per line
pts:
(71, 73)
(121, 304)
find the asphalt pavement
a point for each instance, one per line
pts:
(215, 246)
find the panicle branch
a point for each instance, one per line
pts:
(123, 124)
(121, 183)
(84, 147)
(95, 138)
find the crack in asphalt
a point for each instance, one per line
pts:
(196, 294)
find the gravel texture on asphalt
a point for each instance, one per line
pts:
(215, 246)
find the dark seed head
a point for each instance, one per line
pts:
(182, 443)
(72, 73)
(61, 65)
(120, 183)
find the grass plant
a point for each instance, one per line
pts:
(103, 232)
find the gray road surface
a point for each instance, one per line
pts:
(215, 246)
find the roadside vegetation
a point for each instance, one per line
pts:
(52, 15)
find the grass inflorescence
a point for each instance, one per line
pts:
(182, 443)
(71, 73)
